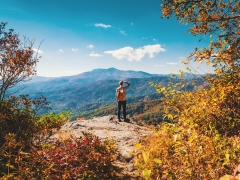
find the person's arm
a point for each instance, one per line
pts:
(128, 84)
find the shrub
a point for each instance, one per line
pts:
(19, 131)
(30, 155)
(85, 158)
(203, 140)
(176, 152)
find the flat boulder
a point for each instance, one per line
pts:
(125, 134)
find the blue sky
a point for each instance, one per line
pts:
(81, 35)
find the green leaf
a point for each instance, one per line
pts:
(146, 174)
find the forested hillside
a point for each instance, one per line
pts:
(72, 98)
(139, 94)
(150, 111)
(76, 96)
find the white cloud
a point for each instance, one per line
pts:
(60, 50)
(102, 25)
(172, 63)
(74, 50)
(123, 33)
(37, 50)
(136, 54)
(131, 23)
(90, 46)
(158, 65)
(154, 39)
(95, 54)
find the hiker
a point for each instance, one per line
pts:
(121, 98)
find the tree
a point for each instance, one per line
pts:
(17, 61)
(218, 19)
(202, 138)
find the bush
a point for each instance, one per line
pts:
(26, 152)
(176, 152)
(203, 140)
(85, 158)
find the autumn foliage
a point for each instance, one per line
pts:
(202, 140)
(26, 126)
(17, 61)
(85, 158)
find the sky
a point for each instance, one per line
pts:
(75, 36)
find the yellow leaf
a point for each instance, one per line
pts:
(170, 116)
(156, 160)
(226, 177)
(218, 71)
(208, 63)
(175, 138)
(237, 177)
(145, 156)
(227, 157)
(138, 146)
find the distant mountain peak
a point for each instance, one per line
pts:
(95, 75)
(112, 68)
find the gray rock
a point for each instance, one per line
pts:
(126, 156)
(108, 127)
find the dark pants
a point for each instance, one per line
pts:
(123, 104)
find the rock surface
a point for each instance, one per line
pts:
(125, 135)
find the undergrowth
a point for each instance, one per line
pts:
(28, 152)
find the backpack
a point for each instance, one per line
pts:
(120, 94)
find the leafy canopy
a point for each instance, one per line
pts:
(17, 61)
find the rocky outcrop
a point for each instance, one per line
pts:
(125, 134)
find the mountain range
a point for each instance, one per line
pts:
(96, 86)
(45, 84)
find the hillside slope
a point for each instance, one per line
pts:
(97, 86)
(149, 111)
(98, 92)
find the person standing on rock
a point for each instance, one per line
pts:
(121, 98)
